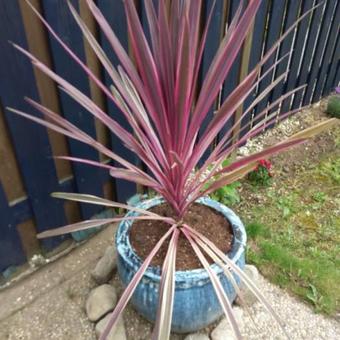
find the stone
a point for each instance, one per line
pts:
(226, 334)
(223, 330)
(105, 267)
(197, 336)
(252, 272)
(249, 298)
(116, 333)
(101, 301)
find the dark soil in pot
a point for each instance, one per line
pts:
(145, 234)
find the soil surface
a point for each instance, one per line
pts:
(295, 159)
(144, 235)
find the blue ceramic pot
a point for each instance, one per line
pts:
(196, 305)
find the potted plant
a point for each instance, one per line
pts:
(157, 96)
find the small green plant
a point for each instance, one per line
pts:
(333, 105)
(261, 175)
(287, 205)
(228, 194)
(319, 197)
(314, 296)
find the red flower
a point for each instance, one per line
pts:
(265, 163)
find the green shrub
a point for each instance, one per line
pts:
(333, 106)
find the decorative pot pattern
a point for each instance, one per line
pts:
(196, 304)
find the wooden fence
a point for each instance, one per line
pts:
(28, 172)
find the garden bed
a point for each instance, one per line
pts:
(293, 225)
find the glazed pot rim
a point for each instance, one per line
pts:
(131, 258)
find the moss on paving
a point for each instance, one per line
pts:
(294, 232)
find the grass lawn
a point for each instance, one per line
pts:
(293, 225)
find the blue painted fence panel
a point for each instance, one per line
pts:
(307, 57)
(321, 44)
(330, 45)
(30, 141)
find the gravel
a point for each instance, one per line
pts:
(300, 320)
(302, 323)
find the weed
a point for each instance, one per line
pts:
(315, 297)
(319, 196)
(287, 204)
(228, 195)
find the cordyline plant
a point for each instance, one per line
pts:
(157, 95)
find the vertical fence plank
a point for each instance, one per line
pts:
(245, 124)
(58, 15)
(307, 54)
(103, 134)
(329, 48)
(319, 50)
(48, 94)
(286, 46)
(30, 140)
(257, 46)
(115, 15)
(274, 29)
(233, 77)
(9, 168)
(11, 252)
(215, 30)
(296, 57)
(94, 64)
(27, 233)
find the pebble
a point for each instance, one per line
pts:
(248, 297)
(223, 331)
(197, 336)
(105, 267)
(116, 333)
(101, 300)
